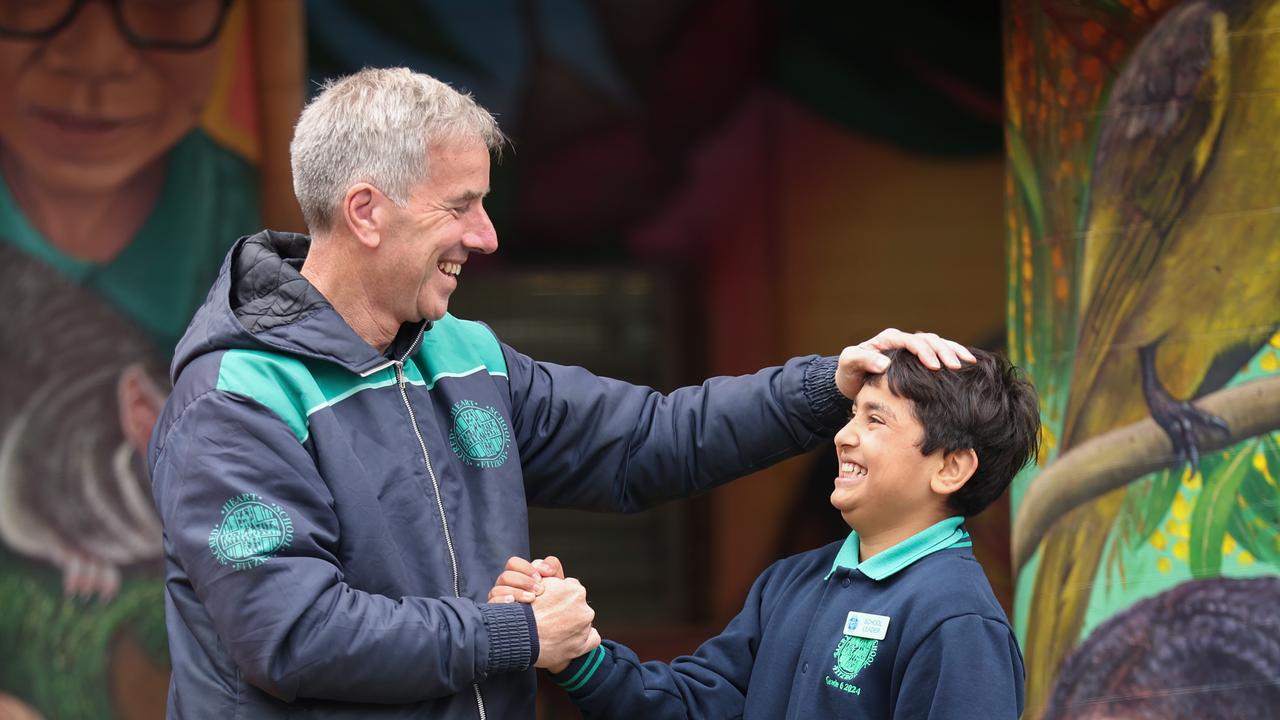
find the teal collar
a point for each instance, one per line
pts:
(943, 535)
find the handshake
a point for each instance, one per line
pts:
(560, 608)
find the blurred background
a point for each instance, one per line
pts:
(694, 187)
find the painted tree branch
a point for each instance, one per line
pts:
(1127, 453)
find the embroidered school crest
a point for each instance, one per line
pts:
(252, 531)
(852, 655)
(480, 436)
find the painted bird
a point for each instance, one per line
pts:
(1180, 274)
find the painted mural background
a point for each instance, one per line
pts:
(131, 144)
(1144, 245)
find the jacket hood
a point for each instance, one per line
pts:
(261, 301)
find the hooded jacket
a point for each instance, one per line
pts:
(335, 515)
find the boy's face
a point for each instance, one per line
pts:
(883, 480)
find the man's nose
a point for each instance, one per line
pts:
(481, 238)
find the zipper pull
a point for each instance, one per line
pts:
(400, 374)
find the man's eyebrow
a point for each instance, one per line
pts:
(873, 406)
(467, 197)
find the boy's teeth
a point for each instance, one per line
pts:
(852, 469)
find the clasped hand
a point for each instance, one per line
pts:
(560, 608)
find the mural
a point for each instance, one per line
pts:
(1144, 297)
(128, 146)
(1217, 635)
(612, 102)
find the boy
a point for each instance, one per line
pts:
(898, 620)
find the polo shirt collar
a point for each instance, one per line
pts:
(940, 536)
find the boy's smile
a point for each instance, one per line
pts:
(850, 470)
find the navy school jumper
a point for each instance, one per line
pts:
(915, 632)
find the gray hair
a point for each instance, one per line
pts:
(376, 126)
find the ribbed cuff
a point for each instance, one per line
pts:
(513, 636)
(826, 401)
(581, 670)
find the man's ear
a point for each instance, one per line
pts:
(957, 467)
(364, 213)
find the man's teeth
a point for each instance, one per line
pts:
(450, 268)
(852, 469)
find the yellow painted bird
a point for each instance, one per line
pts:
(1180, 278)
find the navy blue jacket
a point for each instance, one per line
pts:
(335, 516)
(914, 632)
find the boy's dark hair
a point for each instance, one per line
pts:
(988, 406)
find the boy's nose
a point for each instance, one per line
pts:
(847, 435)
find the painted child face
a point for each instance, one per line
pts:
(87, 110)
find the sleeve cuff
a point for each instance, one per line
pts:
(513, 636)
(829, 405)
(576, 678)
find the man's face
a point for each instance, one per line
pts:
(883, 479)
(86, 111)
(442, 224)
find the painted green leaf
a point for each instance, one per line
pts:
(1271, 447)
(1149, 504)
(1256, 523)
(1214, 507)
(1261, 542)
(1024, 173)
(1261, 498)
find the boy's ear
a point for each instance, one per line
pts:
(957, 467)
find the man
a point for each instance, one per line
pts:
(343, 466)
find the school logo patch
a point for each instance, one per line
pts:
(252, 531)
(853, 655)
(480, 436)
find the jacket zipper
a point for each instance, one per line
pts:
(444, 521)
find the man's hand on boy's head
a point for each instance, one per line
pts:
(866, 357)
(521, 580)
